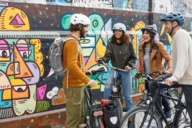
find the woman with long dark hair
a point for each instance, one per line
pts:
(151, 55)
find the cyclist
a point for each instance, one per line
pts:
(75, 78)
(151, 54)
(181, 56)
(121, 53)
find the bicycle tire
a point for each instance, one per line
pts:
(183, 119)
(119, 105)
(138, 112)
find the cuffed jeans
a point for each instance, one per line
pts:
(126, 79)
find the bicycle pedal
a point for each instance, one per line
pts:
(82, 126)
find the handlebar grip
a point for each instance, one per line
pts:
(95, 71)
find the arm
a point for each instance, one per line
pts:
(108, 53)
(72, 61)
(182, 60)
(166, 56)
(132, 61)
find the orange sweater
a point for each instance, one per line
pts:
(76, 77)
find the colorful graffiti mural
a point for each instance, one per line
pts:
(28, 85)
(163, 6)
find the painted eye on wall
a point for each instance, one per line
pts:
(4, 53)
(24, 54)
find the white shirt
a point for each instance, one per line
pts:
(182, 57)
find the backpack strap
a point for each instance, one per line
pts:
(79, 52)
(79, 48)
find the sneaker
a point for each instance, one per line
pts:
(169, 120)
(153, 124)
(168, 114)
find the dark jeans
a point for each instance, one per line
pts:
(161, 100)
(187, 90)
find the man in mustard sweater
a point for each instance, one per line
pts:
(181, 56)
(75, 77)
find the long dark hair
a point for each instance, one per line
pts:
(152, 42)
(124, 39)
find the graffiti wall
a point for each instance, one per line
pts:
(27, 83)
(163, 6)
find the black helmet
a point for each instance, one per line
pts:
(173, 16)
(150, 29)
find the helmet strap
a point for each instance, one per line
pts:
(81, 31)
(172, 30)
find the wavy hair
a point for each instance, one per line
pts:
(124, 39)
(152, 42)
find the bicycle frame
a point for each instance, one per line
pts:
(155, 106)
(116, 86)
(94, 109)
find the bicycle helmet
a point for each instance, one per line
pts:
(150, 29)
(119, 26)
(173, 16)
(79, 19)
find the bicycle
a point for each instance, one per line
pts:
(173, 92)
(117, 90)
(93, 110)
(152, 116)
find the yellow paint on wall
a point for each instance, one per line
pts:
(38, 54)
(17, 82)
(7, 94)
(100, 49)
(141, 88)
(96, 87)
(14, 19)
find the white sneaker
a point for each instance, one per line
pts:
(153, 124)
(169, 120)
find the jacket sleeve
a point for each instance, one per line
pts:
(72, 61)
(108, 53)
(132, 60)
(166, 56)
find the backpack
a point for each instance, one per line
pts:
(55, 55)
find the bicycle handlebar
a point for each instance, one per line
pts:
(95, 71)
(115, 68)
(150, 75)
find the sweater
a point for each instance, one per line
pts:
(75, 74)
(182, 57)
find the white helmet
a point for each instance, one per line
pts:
(119, 26)
(79, 19)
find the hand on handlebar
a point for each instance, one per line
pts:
(92, 83)
(88, 72)
(137, 76)
(169, 81)
(166, 72)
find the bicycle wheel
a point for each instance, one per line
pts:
(183, 119)
(141, 118)
(119, 105)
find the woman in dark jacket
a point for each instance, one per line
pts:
(121, 53)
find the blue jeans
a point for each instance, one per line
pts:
(126, 79)
(165, 101)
